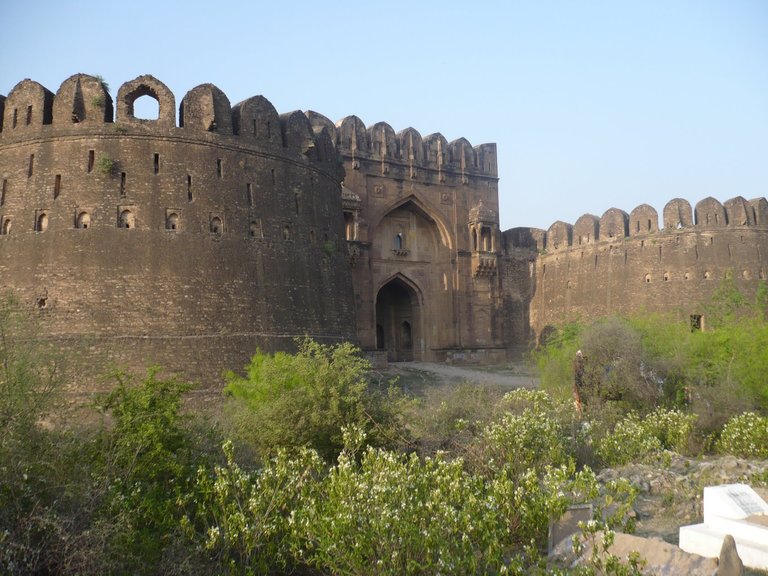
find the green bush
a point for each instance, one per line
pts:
(145, 463)
(305, 399)
(745, 435)
(638, 439)
(397, 514)
(242, 522)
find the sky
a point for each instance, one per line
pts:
(592, 104)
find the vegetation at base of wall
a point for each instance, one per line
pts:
(640, 363)
(307, 398)
(317, 469)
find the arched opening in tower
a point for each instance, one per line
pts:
(397, 321)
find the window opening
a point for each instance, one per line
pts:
(146, 107)
(2, 194)
(269, 129)
(287, 232)
(349, 225)
(31, 165)
(219, 168)
(83, 221)
(15, 116)
(6, 226)
(91, 160)
(273, 175)
(217, 226)
(399, 241)
(156, 166)
(255, 131)
(122, 184)
(189, 188)
(255, 229)
(249, 193)
(57, 186)
(42, 222)
(485, 239)
(172, 221)
(126, 220)
(29, 115)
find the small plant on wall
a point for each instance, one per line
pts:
(105, 165)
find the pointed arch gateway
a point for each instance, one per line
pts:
(399, 320)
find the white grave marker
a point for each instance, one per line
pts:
(727, 510)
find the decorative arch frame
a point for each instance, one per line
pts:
(426, 210)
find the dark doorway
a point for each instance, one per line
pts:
(397, 323)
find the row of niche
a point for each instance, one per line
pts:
(85, 99)
(705, 275)
(615, 223)
(126, 219)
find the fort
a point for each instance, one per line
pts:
(191, 244)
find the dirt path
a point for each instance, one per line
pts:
(457, 374)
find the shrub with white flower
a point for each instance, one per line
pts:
(745, 435)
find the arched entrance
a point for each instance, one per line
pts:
(397, 321)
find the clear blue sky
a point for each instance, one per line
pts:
(593, 104)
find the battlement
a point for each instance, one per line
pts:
(380, 144)
(615, 224)
(84, 101)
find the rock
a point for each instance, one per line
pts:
(661, 558)
(729, 563)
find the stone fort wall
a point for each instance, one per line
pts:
(189, 245)
(624, 263)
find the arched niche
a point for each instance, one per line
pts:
(461, 155)
(352, 135)
(643, 220)
(146, 86)
(586, 230)
(678, 214)
(422, 208)
(381, 137)
(296, 131)
(206, 108)
(411, 146)
(738, 212)
(82, 99)
(559, 235)
(710, 213)
(29, 106)
(256, 119)
(436, 147)
(614, 224)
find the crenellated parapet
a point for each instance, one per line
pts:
(83, 103)
(407, 152)
(622, 263)
(709, 215)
